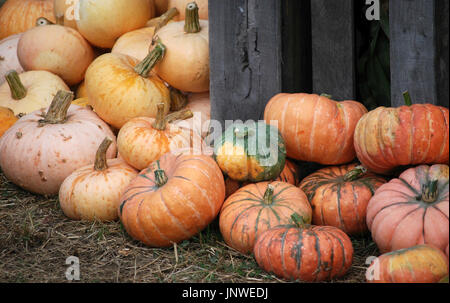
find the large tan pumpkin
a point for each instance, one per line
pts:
(173, 199)
(411, 210)
(316, 128)
(19, 16)
(41, 149)
(8, 56)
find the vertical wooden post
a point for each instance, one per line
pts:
(419, 50)
(248, 62)
(333, 48)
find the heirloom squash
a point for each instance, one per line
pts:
(256, 208)
(8, 56)
(41, 149)
(173, 199)
(7, 119)
(339, 196)
(411, 210)
(316, 128)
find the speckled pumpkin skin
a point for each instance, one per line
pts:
(243, 154)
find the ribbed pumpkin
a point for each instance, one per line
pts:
(8, 56)
(120, 88)
(418, 264)
(411, 210)
(289, 175)
(339, 196)
(200, 106)
(304, 252)
(30, 91)
(316, 128)
(172, 200)
(142, 141)
(181, 5)
(387, 138)
(7, 119)
(252, 152)
(93, 192)
(19, 16)
(41, 149)
(256, 208)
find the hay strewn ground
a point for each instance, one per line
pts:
(36, 238)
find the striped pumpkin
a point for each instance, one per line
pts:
(411, 210)
(339, 196)
(315, 128)
(387, 138)
(173, 199)
(306, 253)
(418, 264)
(19, 16)
(289, 175)
(257, 207)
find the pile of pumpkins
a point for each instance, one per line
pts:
(131, 146)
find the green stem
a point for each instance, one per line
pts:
(145, 66)
(407, 97)
(57, 112)
(160, 176)
(160, 122)
(101, 163)
(166, 17)
(18, 90)
(179, 115)
(298, 221)
(43, 21)
(192, 20)
(268, 195)
(355, 173)
(430, 192)
(326, 96)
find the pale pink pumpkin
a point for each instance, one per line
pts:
(8, 56)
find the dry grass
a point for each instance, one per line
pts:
(36, 238)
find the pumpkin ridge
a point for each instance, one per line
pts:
(138, 223)
(174, 219)
(343, 250)
(312, 134)
(342, 111)
(298, 253)
(331, 256)
(283, 243)
(446, 134)
(319, 255)
(401, 220)
(268, 246)
(409, 186)
(440, 211)
(237, 218)
(355, 208)
(381, 144)
(339, 195)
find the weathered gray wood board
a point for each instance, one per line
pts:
(333, 48)
(248, 62)
(419, 51)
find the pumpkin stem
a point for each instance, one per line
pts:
(160, 122)
(326, 96)
(57, 112)
(59, 19)
(192, 22)
(355, 173)
(100, 158)
(179, 115)
(407, 97)
(268, 195)
(43, 21)
(18, 91)
(145, 66)
(160, 176)
(297, 220)
(178, 100)
(430, 192)
(166, 17)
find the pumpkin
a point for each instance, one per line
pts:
(120, 88)
(411, 210)
(41, 149)
(256, 208)
(7, 119)
(383, 135)
(29, 91)
(173, 199)
(252, 152)
(8, 56)
(101, 22)
(315, 128)
(289, 175)
(93, 192)
(143, 140)
(418, 264)
(339, 196)
(81, 102)
(185, 65)
(181, 5)
(66, 9)
(137, 43)
(20, 16)
(81, 91)
(304, 252)
(57, 49)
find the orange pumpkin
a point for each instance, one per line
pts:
(20, 16)
(7, 119)
(256, 208)
(387, 138)
(339, 196)
(411, 210)
(289, 175)
(316, 128)
(418, 264)
(304, 252)
(181, 6)
(173, 199)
